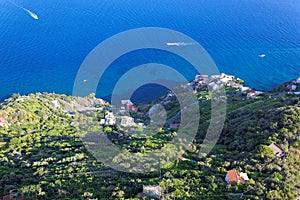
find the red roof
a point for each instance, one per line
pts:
(174, 126)
(203, 76)
(140, 195)
(7, 197)
(232, 176)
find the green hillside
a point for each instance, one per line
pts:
(42, 155)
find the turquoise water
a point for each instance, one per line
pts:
(45, 54)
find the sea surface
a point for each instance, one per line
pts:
(45, 54)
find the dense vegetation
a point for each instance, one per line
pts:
(41, 152)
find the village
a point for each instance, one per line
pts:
(127, 125)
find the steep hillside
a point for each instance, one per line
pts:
(42, 155)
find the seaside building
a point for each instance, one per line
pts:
(125, 102)
(125, 121)
(109, 119)
(244, 89)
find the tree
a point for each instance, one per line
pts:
(251, 182)
(264, 150)
(107, 129)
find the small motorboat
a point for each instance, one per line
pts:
(262, 55)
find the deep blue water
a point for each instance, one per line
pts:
(45, 54)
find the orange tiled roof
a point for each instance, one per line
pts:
(232, 176)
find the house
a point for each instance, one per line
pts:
(125, 102)
(110, 119)
(130, 107)
(294, 87)
(233, 177)
(174, 126)
(153, 191)
(122, 110)
(213, 86)
(74, 124)
(140, 195)
(125, 121)
(71, 114)
(251, 95)
(56, 104)
(244, 89)
(102, 121)
(298, 81)
(225, 80)
(201, 78)
(257, 93)
(13, 194)
(18, 154)
(229, 77)
(278, 151)
(3, 122)
(214, 77)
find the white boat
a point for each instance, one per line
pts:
(33, 15)
(262, 55)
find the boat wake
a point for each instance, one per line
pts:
(179, 43)
(33, 15)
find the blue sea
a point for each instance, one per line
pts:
(45, 54)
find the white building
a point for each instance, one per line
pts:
(244, 176)
(125, 102)
(153, 191)
(244, 89)
(126, 121)
(110, 119)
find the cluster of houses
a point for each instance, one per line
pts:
(294, 87)
(232, 177)
(120, 118)
(128, 106)
(215, 82)
(123, 121)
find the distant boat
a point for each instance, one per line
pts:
(33, 15)
(262, 55)
(179, 43)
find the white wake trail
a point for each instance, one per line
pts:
(33, 15)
